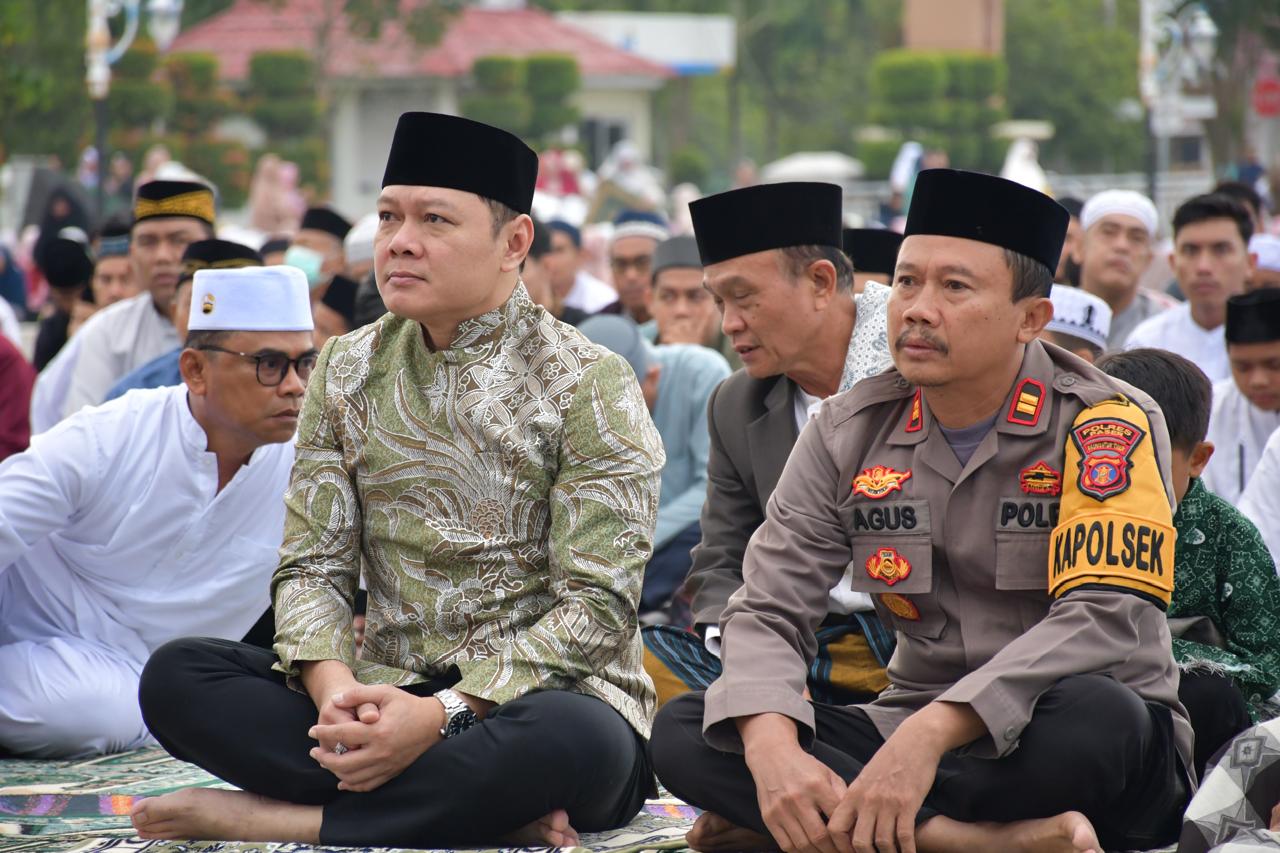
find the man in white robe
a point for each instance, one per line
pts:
(1211, 261)
(1260, 502)
(168, 215)
(152, 517)
(1246, 406)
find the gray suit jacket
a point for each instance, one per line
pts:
(753, 428)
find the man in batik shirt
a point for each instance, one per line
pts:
(497, 475)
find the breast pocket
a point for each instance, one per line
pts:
(898, 573)
(1022, 542)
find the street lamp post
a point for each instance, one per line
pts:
(1178, 44)
(163, 18)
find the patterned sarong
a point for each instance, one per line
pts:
(848, 669)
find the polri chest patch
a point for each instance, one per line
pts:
(1026, 515)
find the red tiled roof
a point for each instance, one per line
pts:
(251, 26)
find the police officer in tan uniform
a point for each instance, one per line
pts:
(1010, 509)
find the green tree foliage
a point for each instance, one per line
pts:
(551, 80)
(528, 96)
(946, 100)
(138, 97)
(499, 97)
(1070, 65)
(282, 99)
(199, 102)
(44, 105)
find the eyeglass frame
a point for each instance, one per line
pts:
(295, 363)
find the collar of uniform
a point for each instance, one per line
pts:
(1028, 408)
(475, 335)
(1036, 378)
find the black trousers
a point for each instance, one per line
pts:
(1217, 710)
(218, 704)
(1092, 746)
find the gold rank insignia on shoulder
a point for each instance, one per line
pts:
(900, 606)
(206, 307)
(916, 421)
(879, 480)
(1105, 445)
(1028, 400)
(887, 565)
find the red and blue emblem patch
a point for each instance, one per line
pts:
(1105, 445)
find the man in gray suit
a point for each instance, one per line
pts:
(773, 262)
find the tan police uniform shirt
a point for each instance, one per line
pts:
(1049, 554)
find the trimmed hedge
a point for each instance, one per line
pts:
(138, 103)
(510, 112)
(281, 73)
(499, 73)
(908, 75)
(551, 76)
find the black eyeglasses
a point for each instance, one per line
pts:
(273, 367)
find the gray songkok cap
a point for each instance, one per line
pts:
(619, 335)
(676, 253)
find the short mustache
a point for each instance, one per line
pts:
(920, 337)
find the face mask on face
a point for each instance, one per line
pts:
(307, 260)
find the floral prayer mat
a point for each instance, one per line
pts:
(83, 807)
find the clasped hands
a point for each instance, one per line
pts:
(808, 808)
(383, 728)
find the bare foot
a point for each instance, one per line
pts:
(217, 815)
(1069, 832)
(712, 833)
(551, 829)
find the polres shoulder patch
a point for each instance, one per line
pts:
(1105, 446)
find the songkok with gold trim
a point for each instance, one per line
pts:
(156, 199)
(216, 255)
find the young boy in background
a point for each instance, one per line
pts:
(1225, 612)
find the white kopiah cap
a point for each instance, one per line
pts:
(1267, 248)
(252, 299)
(358, 244)
(1080, 314)
(1126, 202)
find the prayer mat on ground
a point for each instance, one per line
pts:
(83, 807)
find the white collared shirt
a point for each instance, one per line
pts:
(113, 342)
(590, 294)
(1239, 431)
(1260, 502)
(112, 530)
(1177, 330)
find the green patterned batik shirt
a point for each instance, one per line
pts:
(502, 493)
(1223, 572)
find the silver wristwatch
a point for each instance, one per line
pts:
(458, 716)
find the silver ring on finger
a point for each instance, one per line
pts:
(339, 748)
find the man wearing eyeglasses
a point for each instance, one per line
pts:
(151, 517)
(636, 235)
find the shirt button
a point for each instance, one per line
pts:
(1068, 381)
(901, 383)
(1010, 733)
